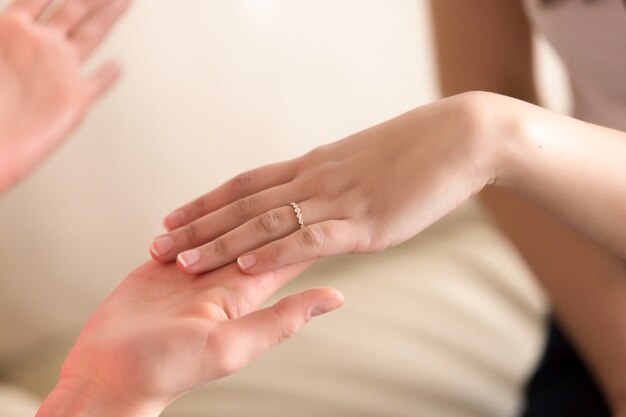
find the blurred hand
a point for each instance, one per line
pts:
(43, 95)
(162, 333)
(365, 193)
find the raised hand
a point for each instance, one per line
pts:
(163, 333)
(365, 193)
(43, 94)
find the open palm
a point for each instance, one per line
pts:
(163, 332)
(43, 94)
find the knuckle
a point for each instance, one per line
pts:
(317, 153)
(224, 297)
(237, 304)
(206, 309)
(241, 183)
(268, 222)
(313, 237)
(288, 327)
(229, 363)
(244, 304)
(219, 248)
(199, 205)
(228, 358)
(366, 243)
(190, 232)
(242, 208)
(375, 239)
(333, 178)
(274, 253)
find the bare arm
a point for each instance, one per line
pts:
(586, 283)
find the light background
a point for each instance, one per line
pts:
(211, 88)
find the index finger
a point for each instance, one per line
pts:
(241, 186)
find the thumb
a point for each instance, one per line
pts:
(253, 334)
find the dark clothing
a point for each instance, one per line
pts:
(562, 386)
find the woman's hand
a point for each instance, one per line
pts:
(43, 95)
(163, 333)
(362, 194)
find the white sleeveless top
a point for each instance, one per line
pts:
(590, 37)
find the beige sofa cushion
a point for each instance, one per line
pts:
(17, 403)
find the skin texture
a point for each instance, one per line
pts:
(43, 95)
(585, 281)
(162, 333)
(363, 194)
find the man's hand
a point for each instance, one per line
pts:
(43, 95)
(163, 332)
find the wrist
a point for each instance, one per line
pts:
(491, 128)
(516, 143)
(78, 398)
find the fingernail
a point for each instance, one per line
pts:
(189, 258)
(247, 261)
(162, 245)
(327, 305)
(174, 219)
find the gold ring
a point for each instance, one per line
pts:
(296, 209)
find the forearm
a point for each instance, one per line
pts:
(82, 399)
(573, 169)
